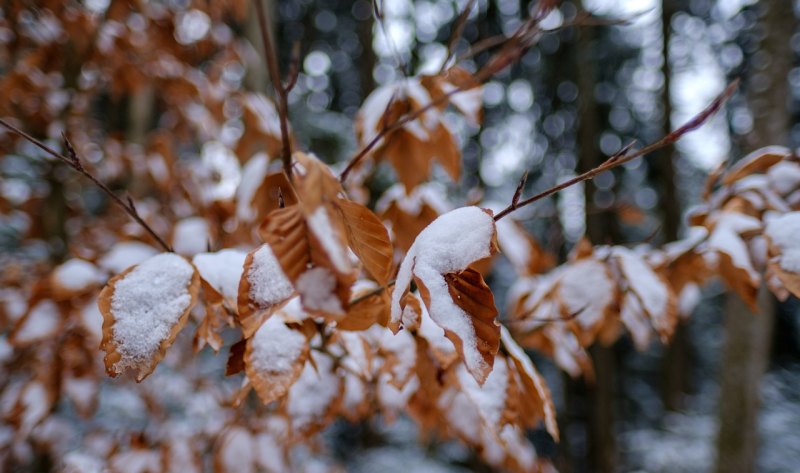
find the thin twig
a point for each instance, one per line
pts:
(294, 68)
(546, 320)
(280, 89)
(72, 160)
(622, 157)
(373, 292)
(458, 30)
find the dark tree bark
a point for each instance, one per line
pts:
(601, 227)
(676, 363)
(747, 342)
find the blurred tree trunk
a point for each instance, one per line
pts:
(746, 352)
(257, 78)
(367, 59)
(141, 107)
(676, 362)
(601, 228)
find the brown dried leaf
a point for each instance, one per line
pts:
(235, 362)
(310, 259)
(284, 230)
(315, 182)
(148, 329)
(470, 292)
(262, 288)
(367, 312)
(368, 238)
(275, 192)
(756, 162)
(274, 358)
(406, 226)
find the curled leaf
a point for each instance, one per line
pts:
(457, 298)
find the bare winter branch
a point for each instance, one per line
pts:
(72, 160)
(623, 157)
(280, 90)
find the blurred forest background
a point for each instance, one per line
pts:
(726, 387)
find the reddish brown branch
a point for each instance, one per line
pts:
(72, 160)
(623, 157)
(280, 90)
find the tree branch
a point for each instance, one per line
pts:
(277, 85)
(623, 157)
(72, 160)
(458, 30)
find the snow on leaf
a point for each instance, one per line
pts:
(253, 174)
(143, 310)
(535, 397)
(633, 316)
(261, 193)
(83, 394)
(312, 256)
(262, 126)
(32, 405)
(235, 452)
(410, 148)
(136, 461)
(180, 456)
(399, 354)
(275, 358)
(42, 321)
(735, 264)
(75, 277)
(125, 254)
(317, 288)
(468, 100)
(284, 230)
(222, 270)
(783, 234)
(78, 462)
(323, 231)
(784, 177)
(270, 457)
(191, 236)
(587, 293)
(457, 298)
(653, 293)
(489, 398)
(263, 286)
(368, 238)
(314, 397)
(522, 251)
(442, 348)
